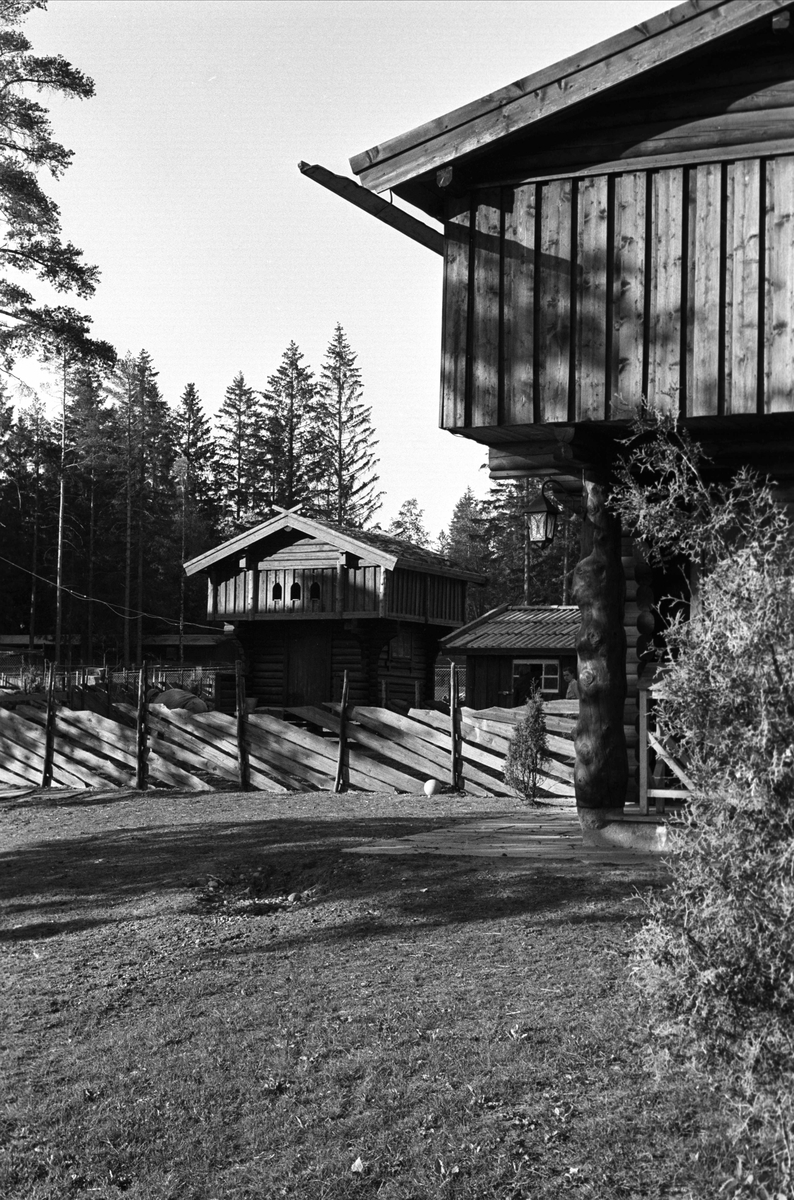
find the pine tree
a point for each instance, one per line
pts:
(345, 466)
(292, 436)
(31, 243)
(408, 525)
(241, 456)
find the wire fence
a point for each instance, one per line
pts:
(441, 686)
(26, 672)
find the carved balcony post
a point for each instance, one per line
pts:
(599, 589)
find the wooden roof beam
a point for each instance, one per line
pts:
(475, 126)
(363, 198)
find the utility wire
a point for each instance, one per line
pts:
(125, 614)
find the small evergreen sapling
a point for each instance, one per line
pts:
(529, 750)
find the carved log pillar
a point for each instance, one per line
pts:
(599, 589)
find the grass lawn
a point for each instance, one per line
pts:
(408, 1027)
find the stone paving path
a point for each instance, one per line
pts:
(549, 833)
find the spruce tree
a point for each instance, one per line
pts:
(242, 465)
(293, 439)
(345, 471)
(145, 496)
(466, 545)
(194, 442)
(92, 485)
(196, 472)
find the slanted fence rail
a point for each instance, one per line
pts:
(302, 749)
(664, 782)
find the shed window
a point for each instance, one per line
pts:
(295, 591)
(543, 671)
(277, 592)
(314, 590)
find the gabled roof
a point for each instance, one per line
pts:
(517, 628)
(374, 546)
(475, 127)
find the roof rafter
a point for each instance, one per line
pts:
(382, 210)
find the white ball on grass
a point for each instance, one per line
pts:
(431, 787)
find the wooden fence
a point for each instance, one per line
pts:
(663, 779)
(306, 748)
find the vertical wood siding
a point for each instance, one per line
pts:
(569, 300)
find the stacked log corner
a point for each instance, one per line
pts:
(599, 588)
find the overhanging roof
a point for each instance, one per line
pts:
(516, 628)
(411, 158)
(375, 547)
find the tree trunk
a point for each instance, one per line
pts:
(599, 588)
(34, 553)
(128, 532)
(61, 518)
(91, 551)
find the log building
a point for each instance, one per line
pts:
(512, 647)
(308, 601)
(619, 225)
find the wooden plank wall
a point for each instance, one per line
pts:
(246, 591)
(569, 299)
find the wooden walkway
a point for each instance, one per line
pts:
(549, 834)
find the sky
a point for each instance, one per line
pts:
(216, 253)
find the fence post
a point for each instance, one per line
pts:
(454, 730)
(340, 781)
(643, 749)
(49, 729)
(142, 733)
(242, 750)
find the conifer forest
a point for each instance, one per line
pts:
(107, 486)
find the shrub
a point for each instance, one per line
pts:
(718, 947)
(529, 750)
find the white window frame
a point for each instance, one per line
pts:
(549, 673)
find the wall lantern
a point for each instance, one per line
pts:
(541, 518)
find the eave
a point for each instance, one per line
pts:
(410, 163)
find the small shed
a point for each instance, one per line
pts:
(310, 600)
(513, 646)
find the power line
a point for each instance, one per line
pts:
(125, 614)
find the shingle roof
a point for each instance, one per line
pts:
(408, 553)
(518, 627)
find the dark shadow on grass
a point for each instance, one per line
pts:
(37, 930)
(278, 856)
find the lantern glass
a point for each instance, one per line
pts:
(536, 528)
(541, 519)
